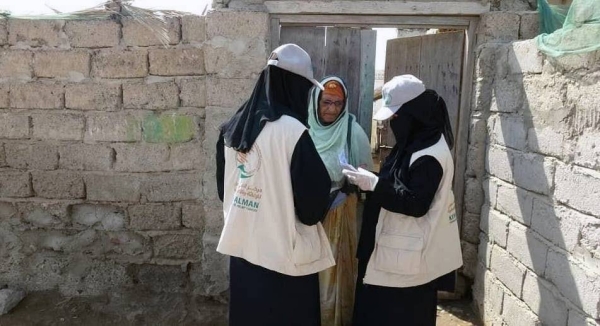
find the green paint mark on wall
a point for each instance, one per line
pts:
(168, 128)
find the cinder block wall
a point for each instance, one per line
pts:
(107, 146)
(534, 180)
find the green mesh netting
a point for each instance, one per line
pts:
(569, 29)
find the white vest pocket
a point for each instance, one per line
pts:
(398, 254)
(307, 247)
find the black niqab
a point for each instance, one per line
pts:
(277, 92)
(419, 124)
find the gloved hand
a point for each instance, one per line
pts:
(364, 179)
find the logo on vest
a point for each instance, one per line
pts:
(247, 197)
(249, 163)
(451, 213)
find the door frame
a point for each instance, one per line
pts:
(397, 19)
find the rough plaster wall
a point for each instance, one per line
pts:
(534, 179)
(106, 150)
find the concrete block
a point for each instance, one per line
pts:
(58, 185)
(177, 62)
(9, 299)
(579, 188)
(155, 217)
(499, 163)
(546, 101)
(193, 29)
(533, 172)
(492, 300)
(476, 161)
(587, 150)
(99, 217)
(508, 95)
(484, 251)
(15, 184)
(120, 64)
(510, 131)
(546, 140)
(86, 157)
(2, 156)
(498, 228)
(14, 126)
(94, 96)
(481, 98)
(213, 218)
(16, 64)
(96, 277)
(497, 26)
(542, 301)
(474, 196)
(36, 32)
(114, 127)
(527, 248)
(193, 216)
(187, 156)
(219, 93)
(36, 96)
(169, 128)
(127, 247)
(193, 92)
(490, 189)
(516, 203)
(235, 58)
(44, 213)
(151, 96)
(141, 157)
(557, 224)
(73, 65)
(478, 132)
(515, 312)
(485, 62)
(161, 279)
(525, 58)
(178, 246)
(581, 287)
(470, 228)
(173, 187)
(3, 32)
(4, 96)
(590, 236)
(113, 187)
(530, 25)
(237, 24)
(469, 255)
(138, 34)
(508, 271)
(36, 156)
(93, 33)
(58, 126)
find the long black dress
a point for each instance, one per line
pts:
(259, 296)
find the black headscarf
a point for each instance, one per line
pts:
(419, 124)
(277, 92)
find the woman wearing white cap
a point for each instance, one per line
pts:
(275, 192)
(409, 244)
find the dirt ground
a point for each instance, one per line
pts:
(49, 309)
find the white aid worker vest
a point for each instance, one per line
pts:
(412, 251)
(258, 205)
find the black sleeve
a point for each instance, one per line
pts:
(310, 182)
(413, 198)
(220, 165)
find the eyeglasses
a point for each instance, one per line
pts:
(338, 104)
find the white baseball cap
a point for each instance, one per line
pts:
(294, 59)
(396, 92)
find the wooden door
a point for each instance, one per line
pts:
(437, 60)
(348, 53)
